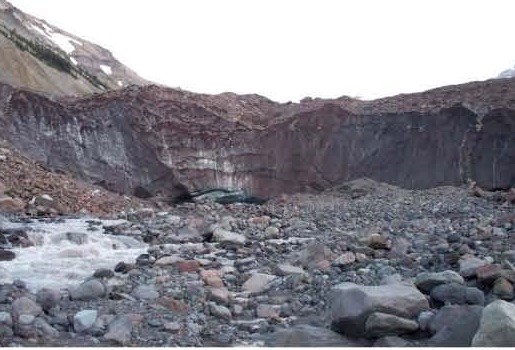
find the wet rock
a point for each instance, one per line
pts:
(84, 320)
(25, 306)
(503, 289)
(78, 238)
(457, 294)
(454, 325)
(145, 292)
(6, 255)
(119, 330)
(258, 283)
(497, 326)
(88, 290)
(469, 265)
(144, 260)
(168, 260)
(221, 235)
(19, 284)
(17, 238)
(122, 267)
(48, 298)
(428, 280)
(351, 304)
(379, 324)
(310, 336)
(103, 273)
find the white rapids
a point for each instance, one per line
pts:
(65, 253)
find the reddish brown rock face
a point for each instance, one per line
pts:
(161, 141)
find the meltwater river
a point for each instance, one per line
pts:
(65, 252)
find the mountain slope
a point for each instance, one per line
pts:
(38, 56)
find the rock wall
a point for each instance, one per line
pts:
(155, 140)
(96, 144)
(322, 148)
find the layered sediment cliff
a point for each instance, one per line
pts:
(153, 139)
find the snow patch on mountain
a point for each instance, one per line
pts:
(106, 69)
(64, 42)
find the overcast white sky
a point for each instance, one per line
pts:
(287, 50)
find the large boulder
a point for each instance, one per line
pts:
(350, 305)
(497, 326)
(426, 281)
(455, 325)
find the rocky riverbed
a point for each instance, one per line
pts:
(365, 264)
